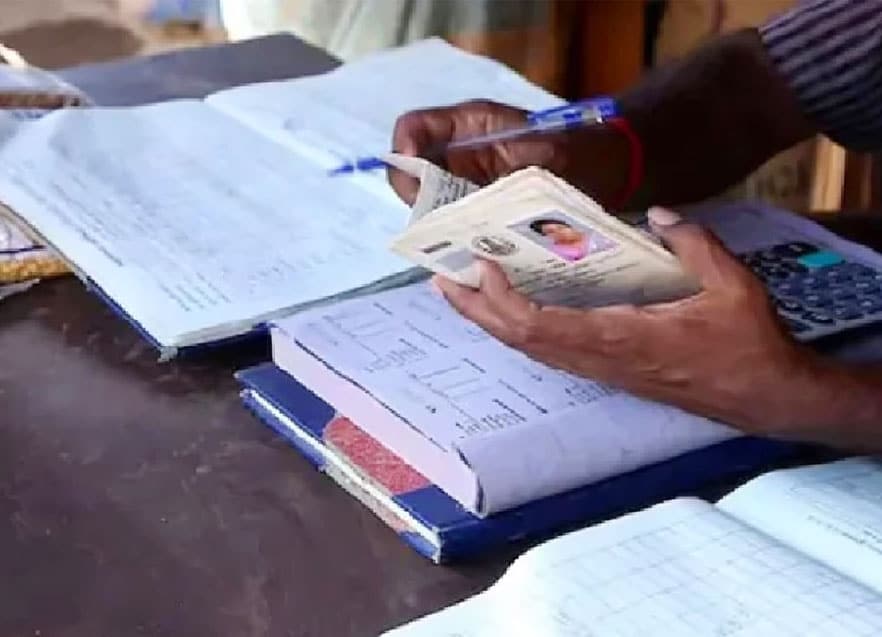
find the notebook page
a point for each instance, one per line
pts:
(526, 430)
(681, 568)
(832, 512)
(189, 220)
(352, 111)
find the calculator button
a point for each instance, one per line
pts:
(869, 304)
(794, 249)
(789, 305)
(794, 267)
(809, 281)
(845, 294)
(858, 271)
(795, 326)
(789, 287)
(817, 317)
(847, 313)
(817, 300)
(820, 259)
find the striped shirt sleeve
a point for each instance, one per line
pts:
(830, 53)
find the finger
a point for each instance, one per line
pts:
(416, 134)
(405, 186)
(473, 305)
(499, 291)
(700, 253)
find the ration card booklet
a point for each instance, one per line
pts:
(555, 244)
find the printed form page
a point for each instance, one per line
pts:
(832, 512)
(680, 569)
(351, 112)
(190, 220)
(525, 429)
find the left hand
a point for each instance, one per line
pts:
(722, 353)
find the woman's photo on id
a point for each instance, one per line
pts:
(565, 237)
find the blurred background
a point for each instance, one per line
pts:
(572, 47)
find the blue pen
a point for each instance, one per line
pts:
(588, 112)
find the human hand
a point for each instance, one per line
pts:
(594, 159)
(722, 353)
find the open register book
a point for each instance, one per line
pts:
(201, 220)
(793, 552)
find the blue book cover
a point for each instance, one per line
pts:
(433, 523)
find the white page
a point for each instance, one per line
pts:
(678, 569)
(351, 111)
(189, 220)
(526, 430)
(832, 512)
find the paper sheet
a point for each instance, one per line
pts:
(351, 111)
(508, 416)
(189, 220)
(437, 186)
(681, 568)
(832, 512)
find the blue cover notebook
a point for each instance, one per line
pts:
(433, 523)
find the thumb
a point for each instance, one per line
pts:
(699, 251)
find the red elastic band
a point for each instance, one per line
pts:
(635, 165)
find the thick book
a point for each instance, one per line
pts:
(201, 220)
(437, 526)
(792, 552)
(496, 430)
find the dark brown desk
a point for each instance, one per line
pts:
(141, 499)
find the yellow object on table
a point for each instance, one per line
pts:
(23, 259)
(25, 93)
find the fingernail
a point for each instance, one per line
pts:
(663, 217)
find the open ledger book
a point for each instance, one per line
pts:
(203, 219)
(793, 552)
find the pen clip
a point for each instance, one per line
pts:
(573, 114)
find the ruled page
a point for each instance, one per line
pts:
(682, 568)
(831, 511)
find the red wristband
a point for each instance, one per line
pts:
(635, 164)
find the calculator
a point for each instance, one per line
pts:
(818, 292)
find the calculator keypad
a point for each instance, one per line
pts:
(817, 291)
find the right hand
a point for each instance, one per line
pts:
(593, 159)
